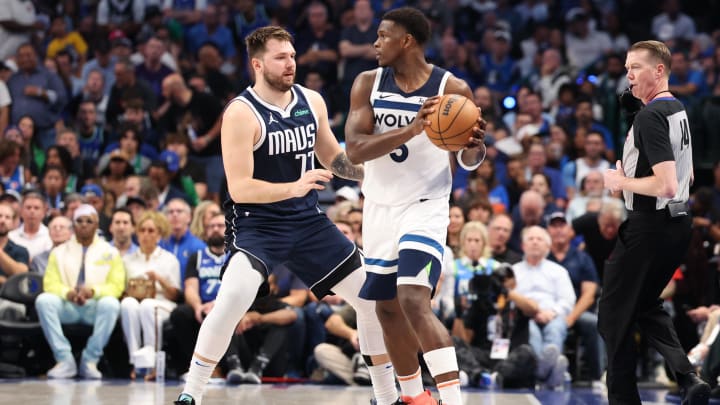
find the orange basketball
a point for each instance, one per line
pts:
(452, 122)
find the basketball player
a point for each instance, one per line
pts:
(407, 188)
(271, 134)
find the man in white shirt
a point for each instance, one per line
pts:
(584, 46)
(32, 234)
(17, 23)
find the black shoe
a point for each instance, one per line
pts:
(235, 376)
(715, 393)
(185, 399)
(695, 391)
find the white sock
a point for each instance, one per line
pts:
(443, 361)
(383, 379)
(450, 392)
(411, 385)
(237, 292)
(197, 378)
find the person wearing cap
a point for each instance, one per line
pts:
(33, 235)
(188, 169)
(500, 71)
(346, 193)
(42, 103)
(580, 267)
(93, 194)
(84, 278)
(181, 181)
(548, 284)
(161, 173)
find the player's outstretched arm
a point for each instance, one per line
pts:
(239, 133)
(474, 153)
(327, 149)
(362, 143)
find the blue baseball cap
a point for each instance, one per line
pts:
(171, 160)
(91, 190)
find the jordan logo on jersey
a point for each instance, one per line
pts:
(271, 120)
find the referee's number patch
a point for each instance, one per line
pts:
(685, 130)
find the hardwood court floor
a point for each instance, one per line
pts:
(122, 392)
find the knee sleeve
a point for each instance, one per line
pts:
(369, 330)
(237, 292)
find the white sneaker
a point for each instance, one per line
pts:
(63, 369)
(89, 371)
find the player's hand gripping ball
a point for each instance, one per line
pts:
(452, 122)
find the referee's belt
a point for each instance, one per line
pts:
(673, 209)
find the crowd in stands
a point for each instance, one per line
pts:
(111, 173)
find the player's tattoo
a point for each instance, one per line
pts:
(341, 166)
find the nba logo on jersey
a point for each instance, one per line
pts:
(421, 170)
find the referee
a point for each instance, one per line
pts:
(654, 176)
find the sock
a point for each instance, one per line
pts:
(450, 392)
(443, 361)
(198, 376)
(383, 383)
(411, 385)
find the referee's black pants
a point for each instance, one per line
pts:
(649, 248)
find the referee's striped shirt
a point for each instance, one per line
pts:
(660, 133)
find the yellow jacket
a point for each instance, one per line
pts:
(104, 269)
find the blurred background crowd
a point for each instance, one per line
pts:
(117, 105)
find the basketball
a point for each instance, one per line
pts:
(452, 122)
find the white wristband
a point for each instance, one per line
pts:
(471, 167)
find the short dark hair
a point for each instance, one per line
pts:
(255, 41)
(413, 20)
(126, 211)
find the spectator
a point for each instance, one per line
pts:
(211, 30)
(14, 259)
(12, 174)
(191, 174)
(93, 194)
(139, 120)
(552, 75)
(532, 210)
(549, 285)
(59, 156)
(128, 148)
(455, 226)
(186, 12)
(18, 21)
(93, 92)
(82, 283)
(152, 70)
(52, 184)
(142, 319)
(199, 115)
(32, 234)
(592, 161)
(180, 242)
(340, 353)
(672, 23)
(584, 121)
(357, 43)
(104, 63)
(116, 172)
(247, 15)
(36, 92)
(580, 267)
(317, 45)
(91, 135)
(127, 86)
(599, 231)
(160, 175)
(686, 83)
(122, 228)
(210, 66)
(590, 198)
(68, 139)
(537, 163)
(71, 42)
(499, 231)
(584, 46)
(500, 71)
(178, 180)
(5, 101)
(202, 215)
(61, 230)
(125, 17)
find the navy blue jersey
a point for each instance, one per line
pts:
(283, 153)
(206, 267)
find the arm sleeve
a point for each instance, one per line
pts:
(653, 136)
(52, 282)
(191, 267)
(115, 281)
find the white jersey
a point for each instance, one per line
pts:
(417, 170)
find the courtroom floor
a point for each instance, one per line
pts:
(106, 392)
